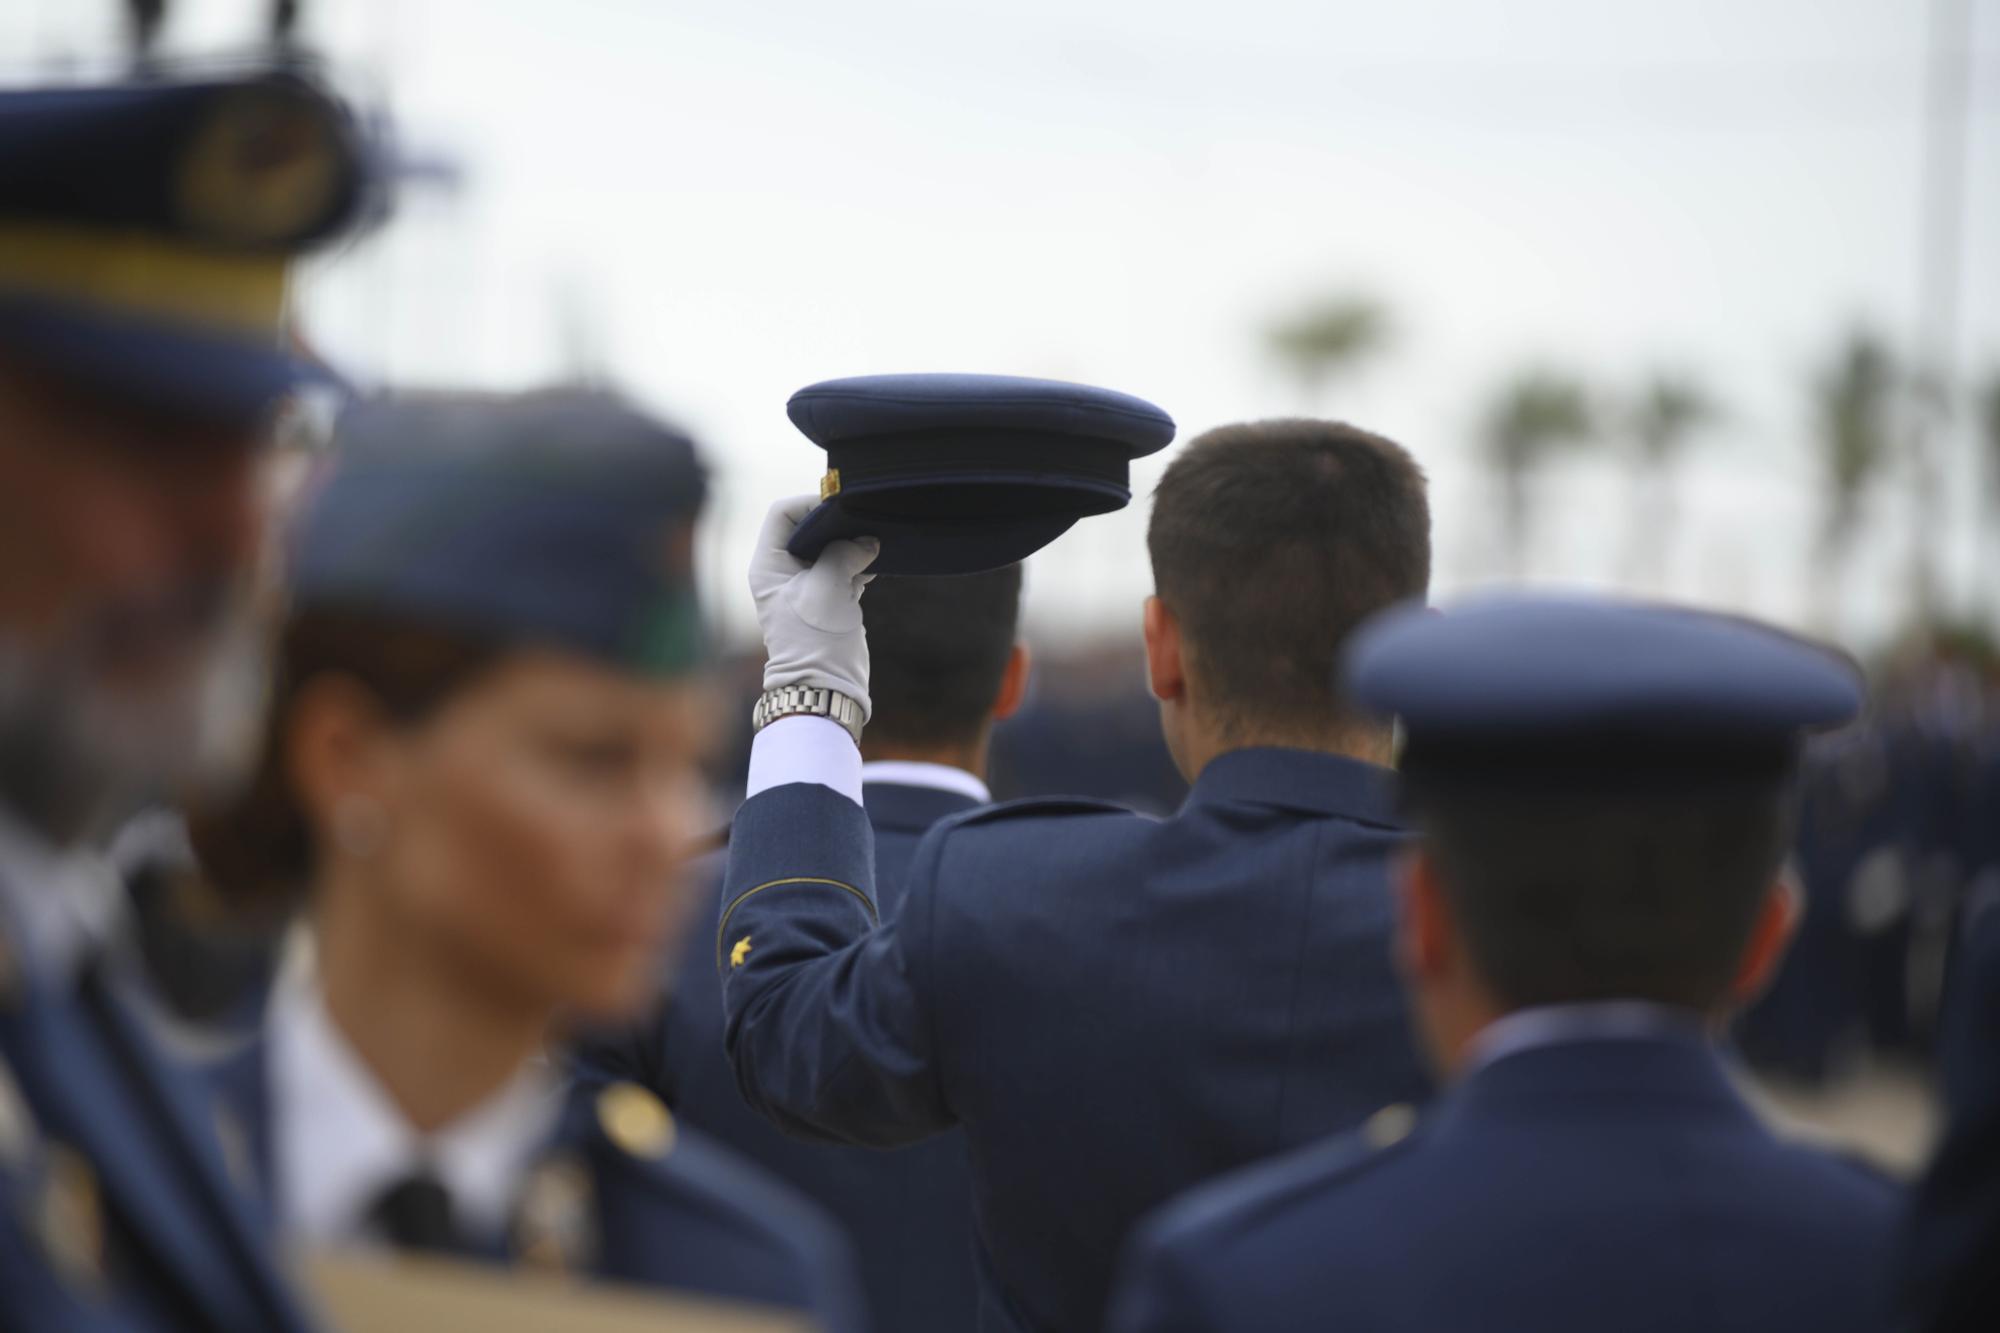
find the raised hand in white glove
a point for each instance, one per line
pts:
(811, 613)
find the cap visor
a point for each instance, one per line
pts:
(930, 546)
(161, 365)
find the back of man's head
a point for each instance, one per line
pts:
(1562, 899)
(1271, 541)
(938, 650)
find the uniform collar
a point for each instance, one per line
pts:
(937, 777)
(1672, 1070)
(1308, 780)
(59, 905)
(910, 808)
(1599, 1020)
(338, 1141)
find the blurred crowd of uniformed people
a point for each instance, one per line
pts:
(1414, 1014)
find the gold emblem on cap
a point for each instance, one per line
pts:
(636, 1121)
(262, 169)
(740, 952)
(555, 1228)
(70, 1217)
(829, 485)
(1390, 1125)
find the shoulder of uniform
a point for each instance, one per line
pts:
(628, 1118)
(1262, 1194)
(653, 1151)
(1837, 1161)
(1035, 807)
(620, 1159)
(1860, 1166)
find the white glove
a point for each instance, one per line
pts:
(811, 613)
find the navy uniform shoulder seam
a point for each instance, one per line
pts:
(1033, 805)
(695, 1171)
(1276, 1183)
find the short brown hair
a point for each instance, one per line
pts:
(1271, 541)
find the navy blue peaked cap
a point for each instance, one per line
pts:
(1583, 694)
(146, 230)
(962, 473)
(563, 518)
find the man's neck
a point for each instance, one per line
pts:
(1370, 745)
(398, 1011)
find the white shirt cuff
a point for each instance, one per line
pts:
(805, 749)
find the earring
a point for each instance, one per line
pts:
(360, 826)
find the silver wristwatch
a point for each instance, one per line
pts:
(807, 701)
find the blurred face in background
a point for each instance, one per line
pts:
(533, 832)
(125, 537)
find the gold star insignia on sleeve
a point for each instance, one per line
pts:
(740, 952)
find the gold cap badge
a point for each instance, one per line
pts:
(740, 952)
(829, 485)
(636, 1121)
(264, 168)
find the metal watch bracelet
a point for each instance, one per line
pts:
(808, 701)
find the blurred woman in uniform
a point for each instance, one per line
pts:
(482, 769)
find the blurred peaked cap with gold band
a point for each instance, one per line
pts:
(956, 474)
(563, 518)
(146, 230)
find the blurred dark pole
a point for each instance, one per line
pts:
(1939, 268)
(284, 23)
(143, 21)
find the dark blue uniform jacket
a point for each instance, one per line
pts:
(116, 1208)
(1115, 1008)
(1569, 1188)
(908, 1212)
(694, 1220)
(1951, 1249)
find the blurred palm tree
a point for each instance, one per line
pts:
(1854, 399)
(1326, 340)
(1537, 415)
(1669, 412)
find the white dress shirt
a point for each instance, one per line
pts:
(805, 749)
(915, 773)
(339, 1141)
(818, 749)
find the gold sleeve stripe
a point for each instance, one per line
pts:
(722, 931)
(132, 273)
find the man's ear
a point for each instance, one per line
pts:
(1424, 947)
(1770, 936)
(1166, 673)
(1013, 683)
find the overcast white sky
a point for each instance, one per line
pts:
(716, 203)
